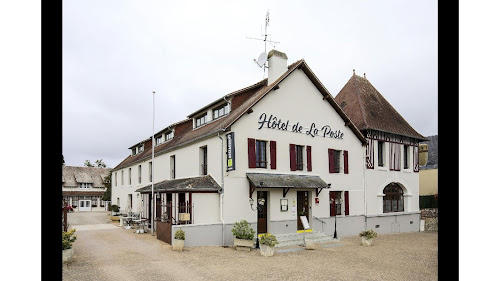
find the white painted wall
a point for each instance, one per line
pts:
(379, 177)
(297, 100)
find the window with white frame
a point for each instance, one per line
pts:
(169, 135)
(158, 140)
(201, 120)
(220, 111)
(139, 172)
(84, 185)
(129, 176)
(381, 152)
(140, 148)
(134, 151)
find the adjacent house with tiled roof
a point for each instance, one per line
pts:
(271, 153)
(83, 187)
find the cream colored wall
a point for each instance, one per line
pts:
(206, 207)
(297, 100)
(187, 164)
(428, 182)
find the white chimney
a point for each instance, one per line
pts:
(277, 62)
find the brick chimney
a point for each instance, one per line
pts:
(277, 65)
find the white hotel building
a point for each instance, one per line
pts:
(288, 141)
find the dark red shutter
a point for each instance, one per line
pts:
(309, 162)
(346, 199)
(273, 155)
(332, 206)
(293, 158)
(251, 153)
(331, 160)
(346, 162)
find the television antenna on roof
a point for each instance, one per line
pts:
(262, 59)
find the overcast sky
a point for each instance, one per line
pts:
(115, 53)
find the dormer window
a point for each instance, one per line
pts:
(84, 185)
(134, 151)
(141, 148)
(158, 140)
(201, 120)
(169, 135)
(221, 111)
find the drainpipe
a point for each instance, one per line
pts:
(364, 185)
(222, 181)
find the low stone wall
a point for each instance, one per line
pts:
(430, 216)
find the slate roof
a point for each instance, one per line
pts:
(285, 181)
(432, 146)
(202, 183)
(241, 103)
(73, 175)
(368, 109)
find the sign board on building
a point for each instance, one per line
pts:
(231, 163)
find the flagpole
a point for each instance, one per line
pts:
(153, 201)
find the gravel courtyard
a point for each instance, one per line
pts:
(104, 251)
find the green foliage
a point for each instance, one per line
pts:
(242, 230)
(268, 239)
(115, 208)
(107, 183)
(368, 234)
(428, 201)
(180, 234)
(68, 239)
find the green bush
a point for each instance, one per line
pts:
(115, 208)
(180, 235)
(368, 234)
(68, 239)
(242, 230)
(268, 239)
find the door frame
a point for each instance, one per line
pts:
(307, 201)
(266, 209)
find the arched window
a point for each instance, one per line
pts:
(393, 199)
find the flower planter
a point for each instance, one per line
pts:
(266, 250)
(67, 255)
(178, 245)
(366, 242)
(243, 244)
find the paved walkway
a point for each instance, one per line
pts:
(114, 253)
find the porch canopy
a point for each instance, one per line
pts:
(193, 184)
(285, 181)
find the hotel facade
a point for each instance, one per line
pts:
(269, 153)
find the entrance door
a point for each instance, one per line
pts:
(262, 212)
(302, 207)
(84, 206)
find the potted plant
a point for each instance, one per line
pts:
(67, 245)
(243, 235)
(267, 242)
(367, 237)
(179, 238)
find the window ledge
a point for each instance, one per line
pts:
(382, 168)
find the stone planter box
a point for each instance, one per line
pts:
(266, 250)
(67, 255)
(366, 242)
(178, 245)
(310, 245)
(114, 218)
(243, 244)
